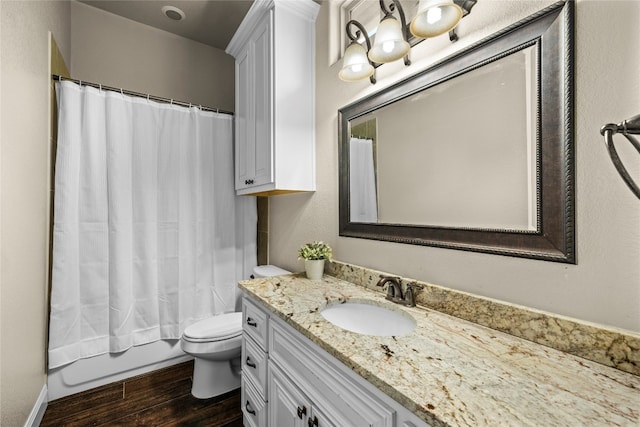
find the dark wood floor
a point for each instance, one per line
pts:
(160, 398)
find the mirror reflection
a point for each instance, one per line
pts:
(414, 162)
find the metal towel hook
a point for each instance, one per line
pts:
(627, 128)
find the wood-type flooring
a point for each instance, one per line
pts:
(158, 399)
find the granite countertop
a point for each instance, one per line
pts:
(451, 372)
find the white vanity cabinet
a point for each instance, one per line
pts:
(274, 48)
(288, 381)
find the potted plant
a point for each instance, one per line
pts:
(314, 255)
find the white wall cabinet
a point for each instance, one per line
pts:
(274, 48)
(305, 386)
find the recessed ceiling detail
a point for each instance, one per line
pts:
(173, 12)
(212, 22)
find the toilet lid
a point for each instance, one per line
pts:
(216, 328)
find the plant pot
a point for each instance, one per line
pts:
(314, 268)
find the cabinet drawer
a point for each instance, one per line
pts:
(255, 323)
(254, 409)
(254, 365)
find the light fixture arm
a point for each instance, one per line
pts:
(403, 20)
(361, 31)
(466, 6)
(354, 39)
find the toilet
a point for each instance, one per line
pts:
(215, 344)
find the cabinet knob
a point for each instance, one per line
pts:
(250, 363)
(251, 322)
(302, 411)
(250, 410)
(248, 181)
(313, 422)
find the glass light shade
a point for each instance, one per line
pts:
(389, 43)
(355, 65)
(435, 17)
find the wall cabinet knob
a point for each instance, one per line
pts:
(313, 422)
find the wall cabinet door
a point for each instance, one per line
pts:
(245, 151)
(274, 48)
(253, 109)
(263, 111)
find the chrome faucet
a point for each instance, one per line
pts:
(394, 290)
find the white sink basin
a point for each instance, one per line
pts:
(369, 319)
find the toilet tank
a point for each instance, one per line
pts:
(267, 271)
(258, 272)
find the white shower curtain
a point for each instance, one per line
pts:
(148, 235)
(363, 200)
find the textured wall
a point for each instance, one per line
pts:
(118, 52)
(24, 180)
(604, 286)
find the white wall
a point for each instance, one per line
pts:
(25, 161)
(119, 52)
(604, 286)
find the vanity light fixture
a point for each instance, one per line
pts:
(356, 65)
(392, 40)
(435, 17)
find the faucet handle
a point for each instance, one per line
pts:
(410, 293)
(414, 286)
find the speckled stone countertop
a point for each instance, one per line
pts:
(451, 372)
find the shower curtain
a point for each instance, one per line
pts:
(363, 200)
(148, 235)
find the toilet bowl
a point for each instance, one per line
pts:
(215, 344)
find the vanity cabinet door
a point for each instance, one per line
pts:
(287, 405)
(340, 400)
(322, 419)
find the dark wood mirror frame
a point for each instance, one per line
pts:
(551, 30)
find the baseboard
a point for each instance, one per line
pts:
(37, 412)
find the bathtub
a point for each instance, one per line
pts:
(86, 374)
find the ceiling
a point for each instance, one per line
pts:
(212, 22)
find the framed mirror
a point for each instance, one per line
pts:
(474, 153)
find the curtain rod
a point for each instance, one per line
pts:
(141, 95)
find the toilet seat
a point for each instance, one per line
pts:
(217, 328)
